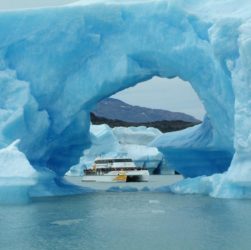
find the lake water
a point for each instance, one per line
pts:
(127, 220)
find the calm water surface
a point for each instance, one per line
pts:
(127, 221)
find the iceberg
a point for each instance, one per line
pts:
(136, 135)
(192, 152)
(51, 76)
(17, 176)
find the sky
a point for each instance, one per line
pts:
(169, 94)
(17, 4)
(174, 95)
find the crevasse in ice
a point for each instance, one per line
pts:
(57, 63)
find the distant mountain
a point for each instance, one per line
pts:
(163, 126)
(114, 109)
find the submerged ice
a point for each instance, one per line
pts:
(51, 76)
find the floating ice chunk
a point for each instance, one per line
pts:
(158, 211)
(16, 175)
(14, 163)
(68, 222)
(136, 135)
(154, 201)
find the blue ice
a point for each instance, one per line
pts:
(57, 63)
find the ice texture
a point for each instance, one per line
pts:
(136, 135)
(57, 63)
(118, 142)
(191, 152)
(17, 176)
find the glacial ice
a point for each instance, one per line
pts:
(17, 176)
(131, 142)
(57, 63)
(195, 145)
(136, 135)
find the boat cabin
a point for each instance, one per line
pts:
(103, 166)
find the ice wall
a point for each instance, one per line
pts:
(192, 153)
(56, 63)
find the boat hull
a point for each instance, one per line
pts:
(116, 176)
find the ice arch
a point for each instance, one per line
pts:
(56, 63)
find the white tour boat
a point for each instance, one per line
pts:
(115, 170)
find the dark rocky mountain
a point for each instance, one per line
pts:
(163, 126)
(116, 113)
(114, 109)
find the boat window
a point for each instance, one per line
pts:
(122, 160)
(103, 161)
(112, 160)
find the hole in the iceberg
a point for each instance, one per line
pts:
(125, 125)
(138, 121)
(174, 95)
(166, 104)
